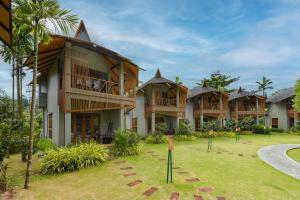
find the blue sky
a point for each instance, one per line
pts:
(193, 38)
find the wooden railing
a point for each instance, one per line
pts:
(165, 102)
(212, 106)
(94, 84)
(250, 108)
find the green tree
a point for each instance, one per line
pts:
(36, 14)
(264, 85)
(219, 81)
(297, 95)
(177, 80)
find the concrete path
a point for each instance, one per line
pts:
(276, 156)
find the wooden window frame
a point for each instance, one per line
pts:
(275, 122)
(50, 125)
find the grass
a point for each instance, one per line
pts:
(232, 176)
(294, 154)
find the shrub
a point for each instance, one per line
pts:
(246, 132)
(3, 177)
(45, 145)
(126, 143)
(229, 125)
(216, 134)
(277, 130)
(67, 159)
(212, 125)
(160, 129)
(184, 128)
(184, 137)
(246, 123)
(156, 139)
(259, 129)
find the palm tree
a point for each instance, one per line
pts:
(264, 84)
(37, 14)
(177, 80)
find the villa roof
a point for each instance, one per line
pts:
(5, 22)
(158, 79)
(240, 93)
(281, 95)
(198, 90)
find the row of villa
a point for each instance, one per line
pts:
(87, 91)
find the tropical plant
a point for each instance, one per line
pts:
(260, 129)
(45, 145)
(184, 137)
(230, 124)
(126, 143)
(297, 95)
(160, 129)
(36, 15)
(212, 125)
(67, 159)
(177, 80)
(264, 85)
(246, 123)
(184, 128)
(156, 139)
(219, 81)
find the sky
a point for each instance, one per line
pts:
(194, 38)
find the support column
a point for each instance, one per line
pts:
(153, 122)
(177, 105)
(83, 127)
(121, 84)
(257, 108)
(201, 113)
(221, 109)
(68, 126)
(122, 124)
(74, 120)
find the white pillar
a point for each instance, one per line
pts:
(122, 124)
(153, 122)
(257, 117)
(68, 127)
(201, 115)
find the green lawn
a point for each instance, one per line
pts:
(231, 175)
(294, 154)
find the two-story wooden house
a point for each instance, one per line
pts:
(281, 113)
(207, 103)
(243, 103)
(85, 89)
(159, 100)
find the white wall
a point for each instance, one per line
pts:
(279, 111)
(189, 113)
(139, 113)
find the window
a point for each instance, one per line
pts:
(50, 125)
(134, 124)
(274, 122)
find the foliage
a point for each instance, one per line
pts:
(259, 129)
(212, 125)
(230, 124)
(67, 159)
(184, 137)
(161, 128)
(246, 123)
(178, 80)
(3, 177)
(219, 81)
(205, 134)
(277, 130)
(126, 143)
(184, 128)
(156, 139)
(264, 84)
(45, 145)
(297, 95)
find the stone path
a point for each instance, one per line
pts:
(276, 156)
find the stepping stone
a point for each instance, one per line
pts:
(154, 155)
(125, 168)
(129, 174)
(176, 167)
(134, 183)
(192, 180)
(150, 191)
(182, 172)
(241, 155)
(206, 189)
(198, 197)
(162, 159)
(120, 162)
(174, 196)
(219, 152)
(220, 198)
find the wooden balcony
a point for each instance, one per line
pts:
(165, 105)
(210, 109)
(292, 113)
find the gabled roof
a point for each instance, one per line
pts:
(5, 22)
(281, 95)
(158, 79)
(198, 90)
(82, 33)
(240, 93)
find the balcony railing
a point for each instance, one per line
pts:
(95, 84)
(212, 106)
(165, 102)
(250, 108)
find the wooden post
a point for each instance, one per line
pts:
(201, 113)
(92, 125)
(121, 81)
(257, 108)
(152, 96)
(83, 127)
(153, 122)
(221, 109)
(74, 127)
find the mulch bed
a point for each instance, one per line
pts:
(206, 189)
(150, 191)
(129, 174)
(192, 180)
(198, 197)
(136, 182)
(174, 196)
(126, 168)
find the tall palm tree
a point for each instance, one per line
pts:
(36, 14)
(264, 84)
(177, 80)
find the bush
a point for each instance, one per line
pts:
(160, 129)
(229, 125)
(246, 123)
(212, 125)
(277, 130)
(156, 139)
(3, 177)
(184, 128)
(126, 143)
(184, 137)
(246, 133)
(45, 145)
(67, 159)
(259, 129)
(216, 134)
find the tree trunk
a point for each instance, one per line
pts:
(13, 84)
(32, 107)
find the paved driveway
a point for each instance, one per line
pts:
(276, 156)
